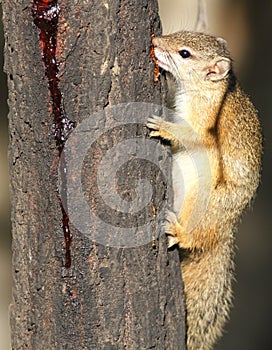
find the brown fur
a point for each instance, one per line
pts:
(221, 121)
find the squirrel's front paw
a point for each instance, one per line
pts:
(155, 123)
(170, 225)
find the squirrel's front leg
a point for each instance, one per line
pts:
(178, 134)
(161, 128)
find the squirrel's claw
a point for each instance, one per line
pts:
(154, 122)
(170, 216)
(154, 133)
(169, 225)
(172, 241)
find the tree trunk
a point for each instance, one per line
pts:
(87, 274)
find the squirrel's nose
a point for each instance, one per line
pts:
(155, 42)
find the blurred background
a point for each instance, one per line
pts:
(246, 25)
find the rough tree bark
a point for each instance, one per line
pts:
(110, 297)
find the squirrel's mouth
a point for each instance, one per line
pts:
(162, 59)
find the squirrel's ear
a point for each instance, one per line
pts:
(219, 69)
(222, 41)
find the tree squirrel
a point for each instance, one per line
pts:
(217, 147)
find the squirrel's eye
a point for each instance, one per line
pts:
(184, 53)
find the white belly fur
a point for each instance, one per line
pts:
(190, 169)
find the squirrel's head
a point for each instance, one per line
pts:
(193, 58)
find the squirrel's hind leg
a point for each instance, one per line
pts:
(176, 232)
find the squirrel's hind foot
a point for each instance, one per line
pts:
(170, 226)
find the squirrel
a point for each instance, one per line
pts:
(216, 143)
